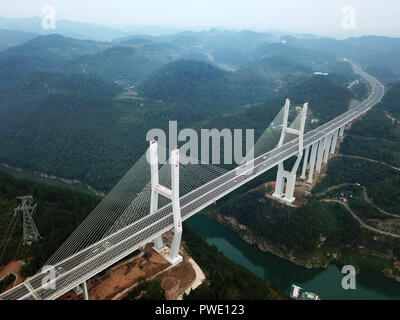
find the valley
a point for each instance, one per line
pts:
(74, 114)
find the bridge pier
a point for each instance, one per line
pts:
(85, 291)
(320, 155)
(341, 132)
(334, 142)
(287, 195)
(82, 289)
(305, 164)
(312, 162)
(159, 245)
(327, 147)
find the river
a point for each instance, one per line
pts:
(325, 282)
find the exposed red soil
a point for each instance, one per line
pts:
(117, 281)
(14, 268)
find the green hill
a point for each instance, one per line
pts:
(59, 212)
(115, 63)
(192, 85)
(391, 100)
(327, 100)
(43, 53)
(10, 38)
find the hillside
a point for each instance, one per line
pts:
(59, 212)
(10, 38)
(115, 63)
(391, 101)
(66, 28)
(57, 122)
(192, 85)
(326, 99)
(43, 53)
(315, 59)
(333, 235)
(369, 51)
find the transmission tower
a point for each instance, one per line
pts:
(30, 232)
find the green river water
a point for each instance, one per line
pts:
(325, 282)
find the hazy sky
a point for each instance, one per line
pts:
(315, 16)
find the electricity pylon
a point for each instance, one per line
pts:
(30, 232)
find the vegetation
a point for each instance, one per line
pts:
(147, 290)
(326, 99)
(313, 235)
(58, 214)
(59, 114)
(10, 38)
(115, 63)
(390, 102)
(6, 281)
(226, 280)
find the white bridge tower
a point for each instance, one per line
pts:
(287, 195)
(173, 194)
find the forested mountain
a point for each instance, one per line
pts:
(193, 85)
(61, 113)
(391, 101)
(31, 95)
(317, 60)
(326, 99)
(211, 40)
(43, 53)
(378, 52)
(115, 63)
(66, 28)
(230, 56)
(50, 120)
(10, 38)
(59, 213)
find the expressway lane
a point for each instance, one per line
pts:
(97, 257)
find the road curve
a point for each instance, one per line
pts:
(87, 263)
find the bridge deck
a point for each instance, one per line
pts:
(92, 260)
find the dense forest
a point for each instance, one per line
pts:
(332, 233)
(226, 279)
(377, 135)
(80, 109)
(66, 116)
(59, 212)
(314, 235)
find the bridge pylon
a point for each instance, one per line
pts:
(173, 194)
(282, 194)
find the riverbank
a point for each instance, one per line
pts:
(283, 273)
(251, 238)
(322, 255)
(40, 177)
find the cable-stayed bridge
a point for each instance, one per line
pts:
(132, 215)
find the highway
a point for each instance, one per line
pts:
(87, 263)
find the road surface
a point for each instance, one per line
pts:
(87, 263)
